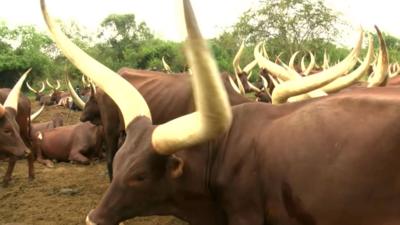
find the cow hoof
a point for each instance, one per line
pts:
(5, 183)
(50, 164)
(31, 178)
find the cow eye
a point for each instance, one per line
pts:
(8, 132)
(140, 177)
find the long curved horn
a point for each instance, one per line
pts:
(303, 64)
(12, 99)
(234, 86)
(273, 68)
(345, 81)
(236, 59)
(382, 65)
(213, 115)
(58, 85)
(31, 88)
(311, 65)
(254, 88)
(85, 83)
(43, 87)
(292, 60)
(75, 97)
(37, 113)
(105, 78)
(250, 66)
(166, 66)
(48, 84)
(306, 84)
(264, 50)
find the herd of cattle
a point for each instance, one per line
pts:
(319, 146)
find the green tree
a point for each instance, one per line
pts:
(121, 34)
(288, 25)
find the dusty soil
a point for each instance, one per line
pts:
(61, 195)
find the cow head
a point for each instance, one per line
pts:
(145, 167)
(91, 111)
(10, 139)
(38, 94)
(57, 94)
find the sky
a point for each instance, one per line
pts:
(163, 16)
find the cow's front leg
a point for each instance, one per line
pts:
(11, 164)
(76, 156)
(41, 159)
(31, 172)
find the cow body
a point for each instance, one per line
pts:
(22, 118)
(70, 143)
(326, 161)
(56, 96)
(167, 95)
(57, 121)
(46, 100)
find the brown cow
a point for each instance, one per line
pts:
(14, 127)
(69, 143)
(160, 90)
(328, 161)
(38, 93)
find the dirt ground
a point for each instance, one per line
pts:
(62, 195)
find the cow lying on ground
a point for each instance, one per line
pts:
(75, 143)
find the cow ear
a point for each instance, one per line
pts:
(175, 166)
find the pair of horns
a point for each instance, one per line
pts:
(13, 96)
(305, 70)
(51, 86)
(303, 85)
(35, 91)
(213, 115)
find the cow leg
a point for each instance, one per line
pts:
(41, 159)
(11, 164)
(112, 147)
(31, 172)
(76, 156)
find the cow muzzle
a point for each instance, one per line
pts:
(27, 152)
(89, 222)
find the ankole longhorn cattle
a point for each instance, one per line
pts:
(168, 96)
(330, 160)
(69, 143)
(15, 112)
(38, 93)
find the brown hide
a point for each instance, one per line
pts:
(70, 143)
(20, 123)
(327, 161)
(57, 121)
(394, 81)
(46, 100)
(58, 95)
(168, 96)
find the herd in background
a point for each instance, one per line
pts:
(76, 142)
(268, 162)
